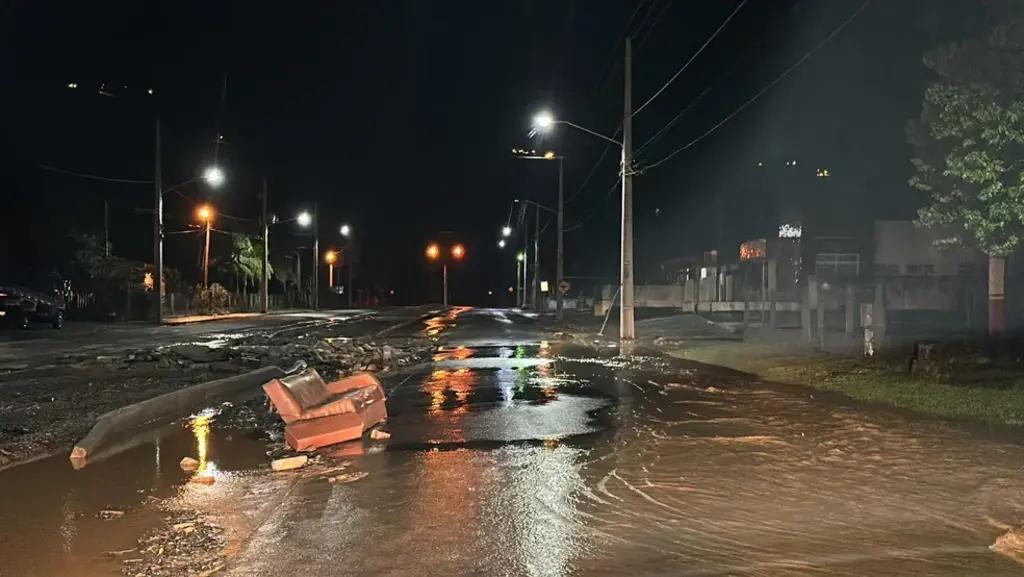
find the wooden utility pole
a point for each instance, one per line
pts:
(626, 328)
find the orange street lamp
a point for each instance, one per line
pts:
(458, 251)
(433, 251)
(205, 214)
(330, 257)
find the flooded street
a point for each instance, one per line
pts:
(511, 455)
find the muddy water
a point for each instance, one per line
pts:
(50, 521)
(521, 460)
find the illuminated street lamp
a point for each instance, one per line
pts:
(205, 214)
(544, 122)
(214, 176)
(501, 243)
(346, 230)
(330, 257)
(309, 219)
(506, 231)
(520, 278)
(434, 253)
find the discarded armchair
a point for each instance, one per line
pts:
(318, 414)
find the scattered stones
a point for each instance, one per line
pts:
(347, 477)
(188, 546)
(379, 435)
(203, 480)
(188, 464)
(289, 463)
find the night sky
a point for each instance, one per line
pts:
(398, 116)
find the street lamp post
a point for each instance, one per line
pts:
(330, 256)
(205, 214)
(520, 276)
(309, 219)
(544, 122)
(434, 253)
(560, 254)
(346, 231)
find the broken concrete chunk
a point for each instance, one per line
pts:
(188, 464)
(288, 463)
(206, 480)
(379, 435)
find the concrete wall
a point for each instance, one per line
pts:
(904, 249)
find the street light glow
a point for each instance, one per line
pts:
(205, 213)
(549, 155)
(520, 257)
(458, 251)
(214, 176)
(346, 230)
(330, 256)
(433, 251)
(501, 243)
(304, 218)
(543, 121)
(506, 231)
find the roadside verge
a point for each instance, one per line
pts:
(991, 396)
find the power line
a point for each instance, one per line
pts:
(91, 176)
(726, 74)
(607, 72)
(647, 35)
(768, 87)
(692, 58)
(594, 213)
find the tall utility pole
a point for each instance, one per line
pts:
(559, 272)
(626, 328)
(536, 259)
(106, 229)
(265, 277)
(316, 257)
(348, 265)
(526, 257)
(444, 286)
(206, 255)
(158, 232)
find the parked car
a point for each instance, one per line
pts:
(21, 306)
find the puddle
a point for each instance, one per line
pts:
(50, 524)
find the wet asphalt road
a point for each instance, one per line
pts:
(514, 456)
(43, 344)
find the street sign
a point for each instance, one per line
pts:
(543, 286)
(564, 286)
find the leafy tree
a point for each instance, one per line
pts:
(246, 260)
(970, 150)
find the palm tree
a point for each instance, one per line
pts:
(246, 261)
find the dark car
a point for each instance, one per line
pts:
(20, 306)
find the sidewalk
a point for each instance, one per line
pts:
(185, 320)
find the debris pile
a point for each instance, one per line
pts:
(188, 545)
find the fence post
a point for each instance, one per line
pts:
(851, 304)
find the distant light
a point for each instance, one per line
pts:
(489, 293)
(392, 291)
(510, 289)
(433, 251)
(759, 163)
(330, 256)
(543, 286)
(346, 230)
(549, 155)
(72, 85)
(304, 218)
(790, 231)
(506, 230)
(458, 251)
(543, 121)
(520, 257)
(501, 243)
(214, 176)
(205, 213)
(150, 91)
(794, 163)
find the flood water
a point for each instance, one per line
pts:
(50, 523)
(512, 456)
(520, 460)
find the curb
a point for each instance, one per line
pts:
(171, 406)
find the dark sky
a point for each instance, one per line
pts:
(397, 116)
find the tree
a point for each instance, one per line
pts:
(970, 150)
(246, 261)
